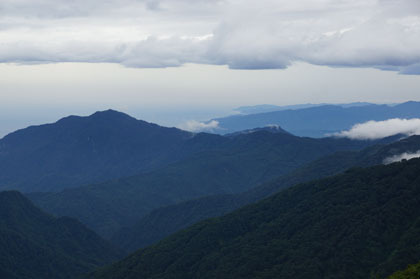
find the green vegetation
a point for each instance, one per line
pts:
(354, 225)
(36, 245)
(170, 219)
(411, 272)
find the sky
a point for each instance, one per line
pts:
(170, 61)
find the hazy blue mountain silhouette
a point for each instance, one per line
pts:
(269, 108)
(319, 120)
(81, 150)
(238, 164)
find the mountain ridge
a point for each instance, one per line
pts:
(313, 121)
(35, 244)
(345, 226)
(238, 164)
(164, 221)
(80, 150)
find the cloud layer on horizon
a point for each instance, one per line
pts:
(403, 156)
(382, 34)
(380, 129)
(197, 126)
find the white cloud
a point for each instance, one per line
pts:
(196, 126)
(403, 156)
(381, 129)
(244, 34)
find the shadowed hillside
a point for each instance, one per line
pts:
(239, 164)
(36, 245)
(411, 272)
(167, 220)
(360, 224)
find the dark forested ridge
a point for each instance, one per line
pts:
(36, 245)
(320, 120)
(270, 128)
(80, 150)
(238, 164)
(360, 224)
(167, 220)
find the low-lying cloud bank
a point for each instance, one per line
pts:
(246, 34)
(381, 129)
(196, 126)
(403, 156)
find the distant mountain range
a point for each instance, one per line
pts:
(270, 128)
(269, 108)
(36, 245)
(82, 150)
(109, 170)
(234, 164)
(137, 183)
(360, 224)
(316, 120)
(107, 145)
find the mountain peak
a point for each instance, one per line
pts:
(105, 116)
(110, 114)
(272, 128)
(84, 149)
(410, 103)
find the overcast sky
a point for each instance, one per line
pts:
(153, 56)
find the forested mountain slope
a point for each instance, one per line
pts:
(361, 224)
(36, 245)
(411, 272)
(240, 163)
(167, 220)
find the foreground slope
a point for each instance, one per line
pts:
(411, 272)
(80, 150)
(360, 224)
(240, 163)
(167, 220)
(36, 245)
